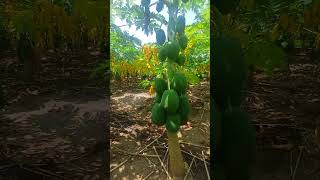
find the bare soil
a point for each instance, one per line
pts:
(54, 127)
(285, 108)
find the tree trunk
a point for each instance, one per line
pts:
(176, 164)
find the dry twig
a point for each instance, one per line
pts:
(162, 163)
(185, 177)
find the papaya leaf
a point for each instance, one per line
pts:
(266, 56)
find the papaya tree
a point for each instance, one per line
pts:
(171, 107)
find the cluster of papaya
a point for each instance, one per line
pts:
(233, 135)
(173, 50)
(171, 106)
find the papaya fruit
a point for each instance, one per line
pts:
(229, 72)
(160, 36)
(173, 122)
(170, 101)
(181, 60)
(184, 108)
(183, 42)
(158, 98)
(238, 144)
(159, 6)
(163, 54)
(184, 1)
(160, 85)
(173, 49)
(179, 83)
(158, 115)
(181, 24)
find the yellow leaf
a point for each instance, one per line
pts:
(151, 90)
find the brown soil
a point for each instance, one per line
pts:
(54, 127)
(285, 109)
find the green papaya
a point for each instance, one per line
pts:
(181, 60)
(158, 98)
(173, 50)
(161, 37)
(238, 143)
(179, 83)
(181, 24)
(163, 54)
(173, 122)
(229, 72)
(183, 41)
(184, 108)
(159, 6)
(160, 85)
(158, 115)
(170, 101)
(185, 1)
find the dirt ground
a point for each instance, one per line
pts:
(55, 127)
(285, 109)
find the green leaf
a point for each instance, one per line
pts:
(266, 56)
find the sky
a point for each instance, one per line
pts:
(190, 18)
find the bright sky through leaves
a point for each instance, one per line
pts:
(190, 18)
